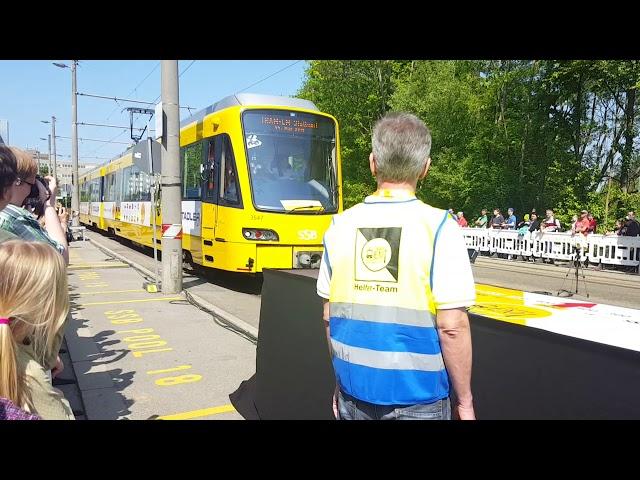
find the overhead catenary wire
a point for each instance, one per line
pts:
(136, 87)
(268, 77)
(188, 67)
(110, 126)
(130, 100)
(95, 140)
(97, 149)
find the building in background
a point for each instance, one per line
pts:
(4, 131)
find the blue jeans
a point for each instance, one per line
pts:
(350, 408)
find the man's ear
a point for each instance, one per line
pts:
(426, 169)
(372, 164)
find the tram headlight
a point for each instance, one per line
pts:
(260, 234)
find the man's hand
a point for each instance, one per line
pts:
(464, 412)
(59, 367)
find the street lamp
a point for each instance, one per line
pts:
(53, 137)
(49, 140)
(75, 197)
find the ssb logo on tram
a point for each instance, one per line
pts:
(307, 234)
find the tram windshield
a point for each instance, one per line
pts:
(292, 161)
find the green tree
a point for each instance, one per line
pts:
(357, 93)
(518, 133)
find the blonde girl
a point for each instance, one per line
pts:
(34, 303)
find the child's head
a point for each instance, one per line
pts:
(34, 303)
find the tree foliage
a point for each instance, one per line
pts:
(509, 133)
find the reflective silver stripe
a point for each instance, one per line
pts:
(387, 360)
(383, 314)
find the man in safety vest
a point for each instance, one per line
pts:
(396, 280)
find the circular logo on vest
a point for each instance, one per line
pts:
(376, 254)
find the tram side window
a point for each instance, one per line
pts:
(110, 187)
(118, 188)
(128, 189)
(84, 192)
(95, 190)
(135, 185)
(144, 182)
(229, 188)
(191, 180)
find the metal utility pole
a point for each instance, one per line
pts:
(75, 196)
(170, 181)
(53, 144)
(50, 164)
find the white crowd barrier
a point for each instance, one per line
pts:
(615, 250)
(606, 249)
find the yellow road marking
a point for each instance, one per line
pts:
(166, 299)
(83, 266)
(140, 290)
(167, 370)
(205, 412)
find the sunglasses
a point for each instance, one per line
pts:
(28, 183)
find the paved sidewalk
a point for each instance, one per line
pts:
(235, 297)
(138, 355)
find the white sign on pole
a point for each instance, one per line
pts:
(159, 122)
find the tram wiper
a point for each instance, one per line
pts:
(320, 208)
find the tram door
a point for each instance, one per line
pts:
(210, 186)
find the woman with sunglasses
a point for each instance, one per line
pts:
(19, 221)
(8, 176)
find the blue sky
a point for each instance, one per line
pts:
(34, 90)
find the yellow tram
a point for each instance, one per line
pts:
(261, 179)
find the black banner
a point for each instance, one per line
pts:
(519, 372)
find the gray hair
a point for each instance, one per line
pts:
(401, 145)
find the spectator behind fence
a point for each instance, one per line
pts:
(396, 280)
(483, 219)
(593, 224)
(497, 220)
(19, 221)
(510, 223)
(574, 220)
(461, 220)
(550, 223)
(617, 229)
(631, 227)
(8, 175)
(34, 303)
(535, 223)
(582, 224)
(523, 226)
